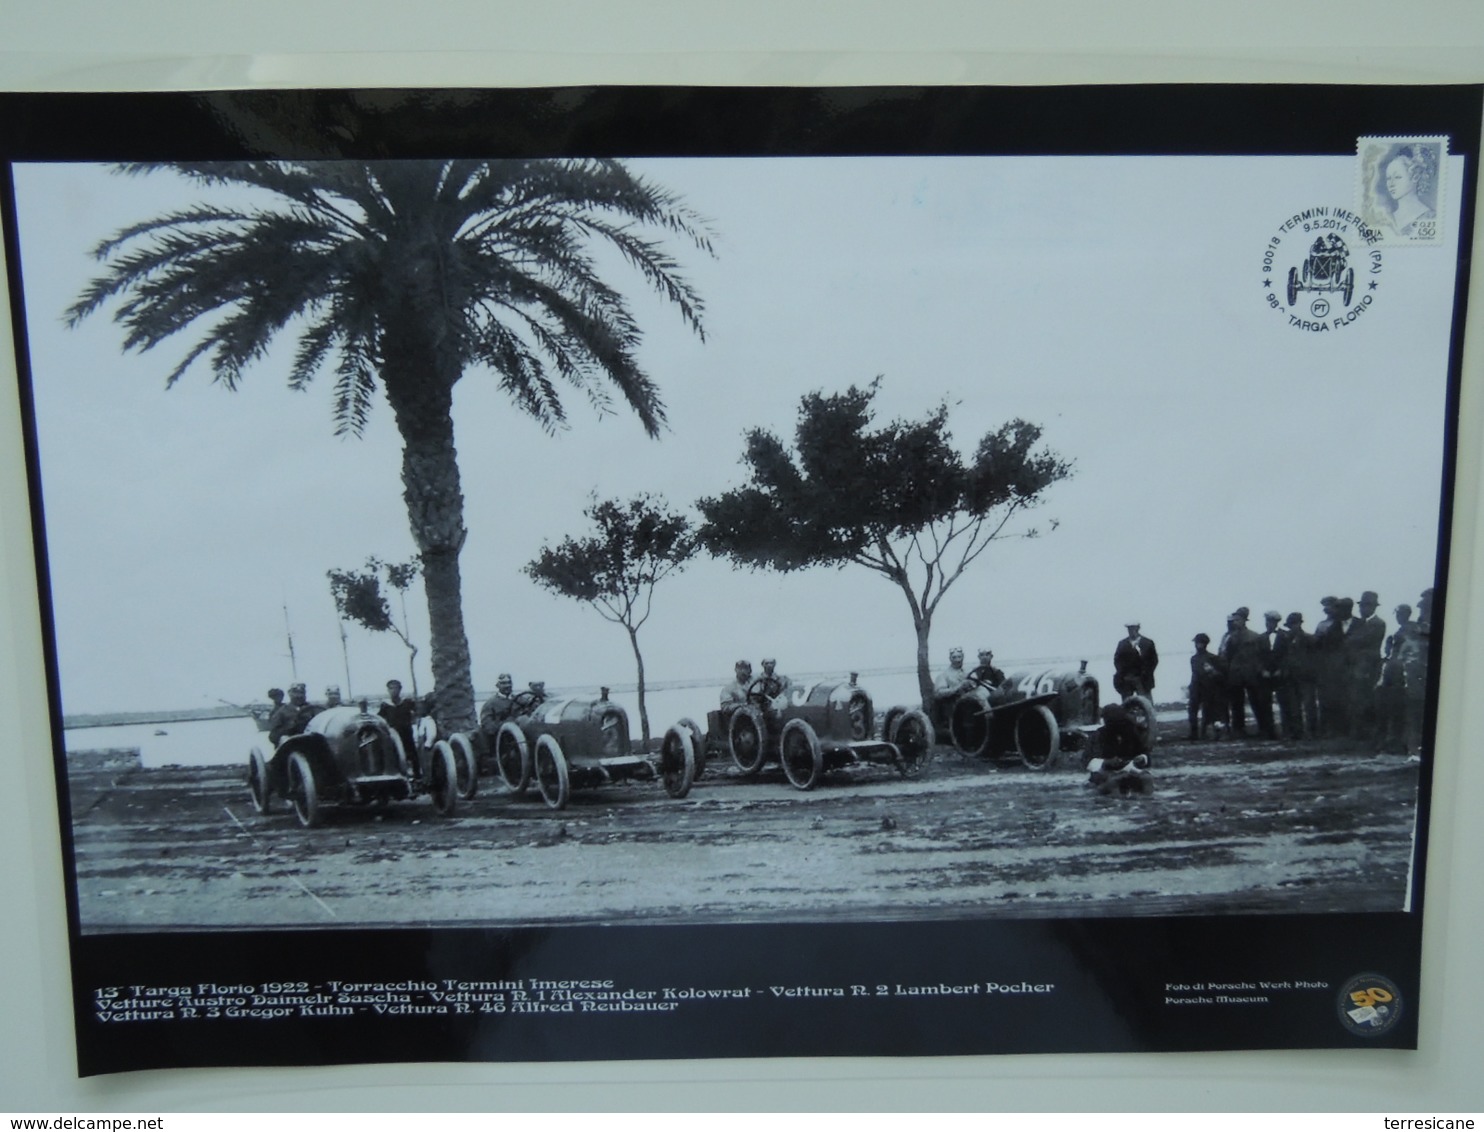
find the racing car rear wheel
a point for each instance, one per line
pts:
(1347, 285)
(698, 743)
(969, 725)
(257, 783)
(1293, 285)
(551, 772)
(1141, 711)
(513, 758)
(443, 779)
(890, 721)
(800, 753)
(1037, 737)
(746, 737)
(678, 761)
(303, 794)
(912, 733)
(465, 764)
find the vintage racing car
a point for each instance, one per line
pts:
(344, 757)
(1033, 713)
(819, 727)
(1324, 269)
(564, 745)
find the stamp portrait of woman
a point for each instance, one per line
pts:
(1407, 186)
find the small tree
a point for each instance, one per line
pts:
(616, 569)
(898, 500)
(358, 596)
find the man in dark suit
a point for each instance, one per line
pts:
(1303, 679)
(1272, 653)
(1239, 649)
(1365, 643)
(1134, 662)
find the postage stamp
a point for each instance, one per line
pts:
(1399, 187)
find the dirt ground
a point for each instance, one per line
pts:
(1236, 826)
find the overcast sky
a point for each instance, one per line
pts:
(1223, 457)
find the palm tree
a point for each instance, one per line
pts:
(410, 273)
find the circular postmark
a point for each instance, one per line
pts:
(1370, 1005)
(1321, 270)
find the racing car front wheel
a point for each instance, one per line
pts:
(465, 764)
(303, 794)
(698, 741)
(746, 736)
(1037, 737)
(678, 761)
(1293, 285)
(443, 779)
(513, 758)
(969, 725)
(257, 783)
(551, 773)
(1141, 710)
(912, 732)
(801, 754)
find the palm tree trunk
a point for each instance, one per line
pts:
(435, 510)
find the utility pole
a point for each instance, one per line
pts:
(289, 632)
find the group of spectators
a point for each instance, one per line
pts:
(1347, 679)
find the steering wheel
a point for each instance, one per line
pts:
(762, 690)
(524, 703)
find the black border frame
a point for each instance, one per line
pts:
(1114, 966)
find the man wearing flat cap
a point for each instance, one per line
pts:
(1244, 675)
(735, 693)
(1366, 641)
(1134, 662)
(1272, 652)
(1303, 676)
(1207, 704)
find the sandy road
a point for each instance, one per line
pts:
(1232, 827)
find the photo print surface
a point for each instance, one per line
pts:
(878, 580)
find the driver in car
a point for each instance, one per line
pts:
(953, 680)
(775, 685)
(536, 693)
(985, 672)
(735, 693)
(497, 708)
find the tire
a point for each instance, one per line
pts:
(913, 739)
(969, 726)
(257, 783)
(800, 753)
(1347, 288)
(465, 764)
(678, 761)
(551, 773)
(303, 792)
(698, 742)
(890, 722)
(747, 738)
(1141, 711)
(404, 768)
(443, 779)
(1037, 737)
(1293, 285)
(513, 758)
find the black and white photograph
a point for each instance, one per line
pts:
(598, 551)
